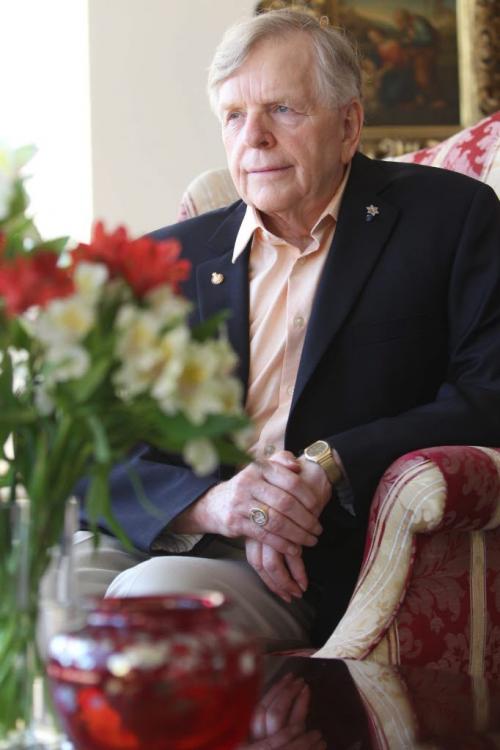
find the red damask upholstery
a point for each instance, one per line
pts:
(429, 590)
(474, 151)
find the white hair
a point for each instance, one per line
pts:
(338, 69)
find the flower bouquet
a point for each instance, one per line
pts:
(96, 356)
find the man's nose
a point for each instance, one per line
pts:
(258, 132)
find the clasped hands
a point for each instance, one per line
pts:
(293, 491)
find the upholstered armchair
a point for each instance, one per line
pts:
(429, 589)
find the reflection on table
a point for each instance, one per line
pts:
(317, 704)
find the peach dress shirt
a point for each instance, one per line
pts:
(283, 282)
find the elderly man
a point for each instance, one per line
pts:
(365, 302)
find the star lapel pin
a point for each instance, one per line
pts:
(371, 212)
(217, 278)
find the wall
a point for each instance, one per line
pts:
(45, 102)
(152, 128)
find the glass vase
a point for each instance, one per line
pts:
(27, 720)
(162, 673)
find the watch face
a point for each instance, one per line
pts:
(317, 448)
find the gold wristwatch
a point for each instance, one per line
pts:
(321, 453)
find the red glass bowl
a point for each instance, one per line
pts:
(155, 673)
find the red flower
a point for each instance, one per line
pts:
(32, 280)
(144, 263)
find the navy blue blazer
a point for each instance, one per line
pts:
(402, 348)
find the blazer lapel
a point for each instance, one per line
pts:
(232, 292)
(356, 247)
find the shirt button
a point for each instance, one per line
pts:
(289, 390)
(269, 450)
(298, 321)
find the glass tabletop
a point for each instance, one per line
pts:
(311, 704)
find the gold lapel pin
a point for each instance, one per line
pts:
(217, 278)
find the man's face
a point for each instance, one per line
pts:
(286, 151)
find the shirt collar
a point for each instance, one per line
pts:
(252, 220)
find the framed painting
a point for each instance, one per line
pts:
(417, 66)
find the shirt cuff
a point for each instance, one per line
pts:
(167, 542)
(345, 497)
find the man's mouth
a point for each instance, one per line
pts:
(268, 170)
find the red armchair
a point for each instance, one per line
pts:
(429, 590)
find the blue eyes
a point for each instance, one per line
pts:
(280, 109)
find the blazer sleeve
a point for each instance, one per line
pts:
(147, 493)
(466, 409)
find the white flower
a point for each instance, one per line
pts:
(245, 437)
(6, 190)
(43, 402)
(201, 455)
(19, 358)
(229, 392)
(139, 331)
(66, 363)
(149, 360)
(193, 392)
(227, 359)
(64, 321)
(199, 388)
(167, 305)
(90, 279)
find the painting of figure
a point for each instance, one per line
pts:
(410, 56)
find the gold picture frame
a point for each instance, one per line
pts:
(458, 44)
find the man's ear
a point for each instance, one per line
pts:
(352, 122)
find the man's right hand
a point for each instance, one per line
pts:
(284, 575)
(273, 485)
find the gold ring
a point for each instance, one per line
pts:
(259, 515)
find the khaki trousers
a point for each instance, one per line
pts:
(110, 570)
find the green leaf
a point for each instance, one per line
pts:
(6, 377)
(112, 522)
(86, 386)
(230, 454)
(18, 335)
(211, 327)
(98, 505)
(97, 481)
(24, 154)
(136, 482)
(19, 201)
(15, 416)
(102, 450)
(7, 478)
(57, 245)
(36, 485)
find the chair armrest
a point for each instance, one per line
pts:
(209, 190)
(424, 492)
